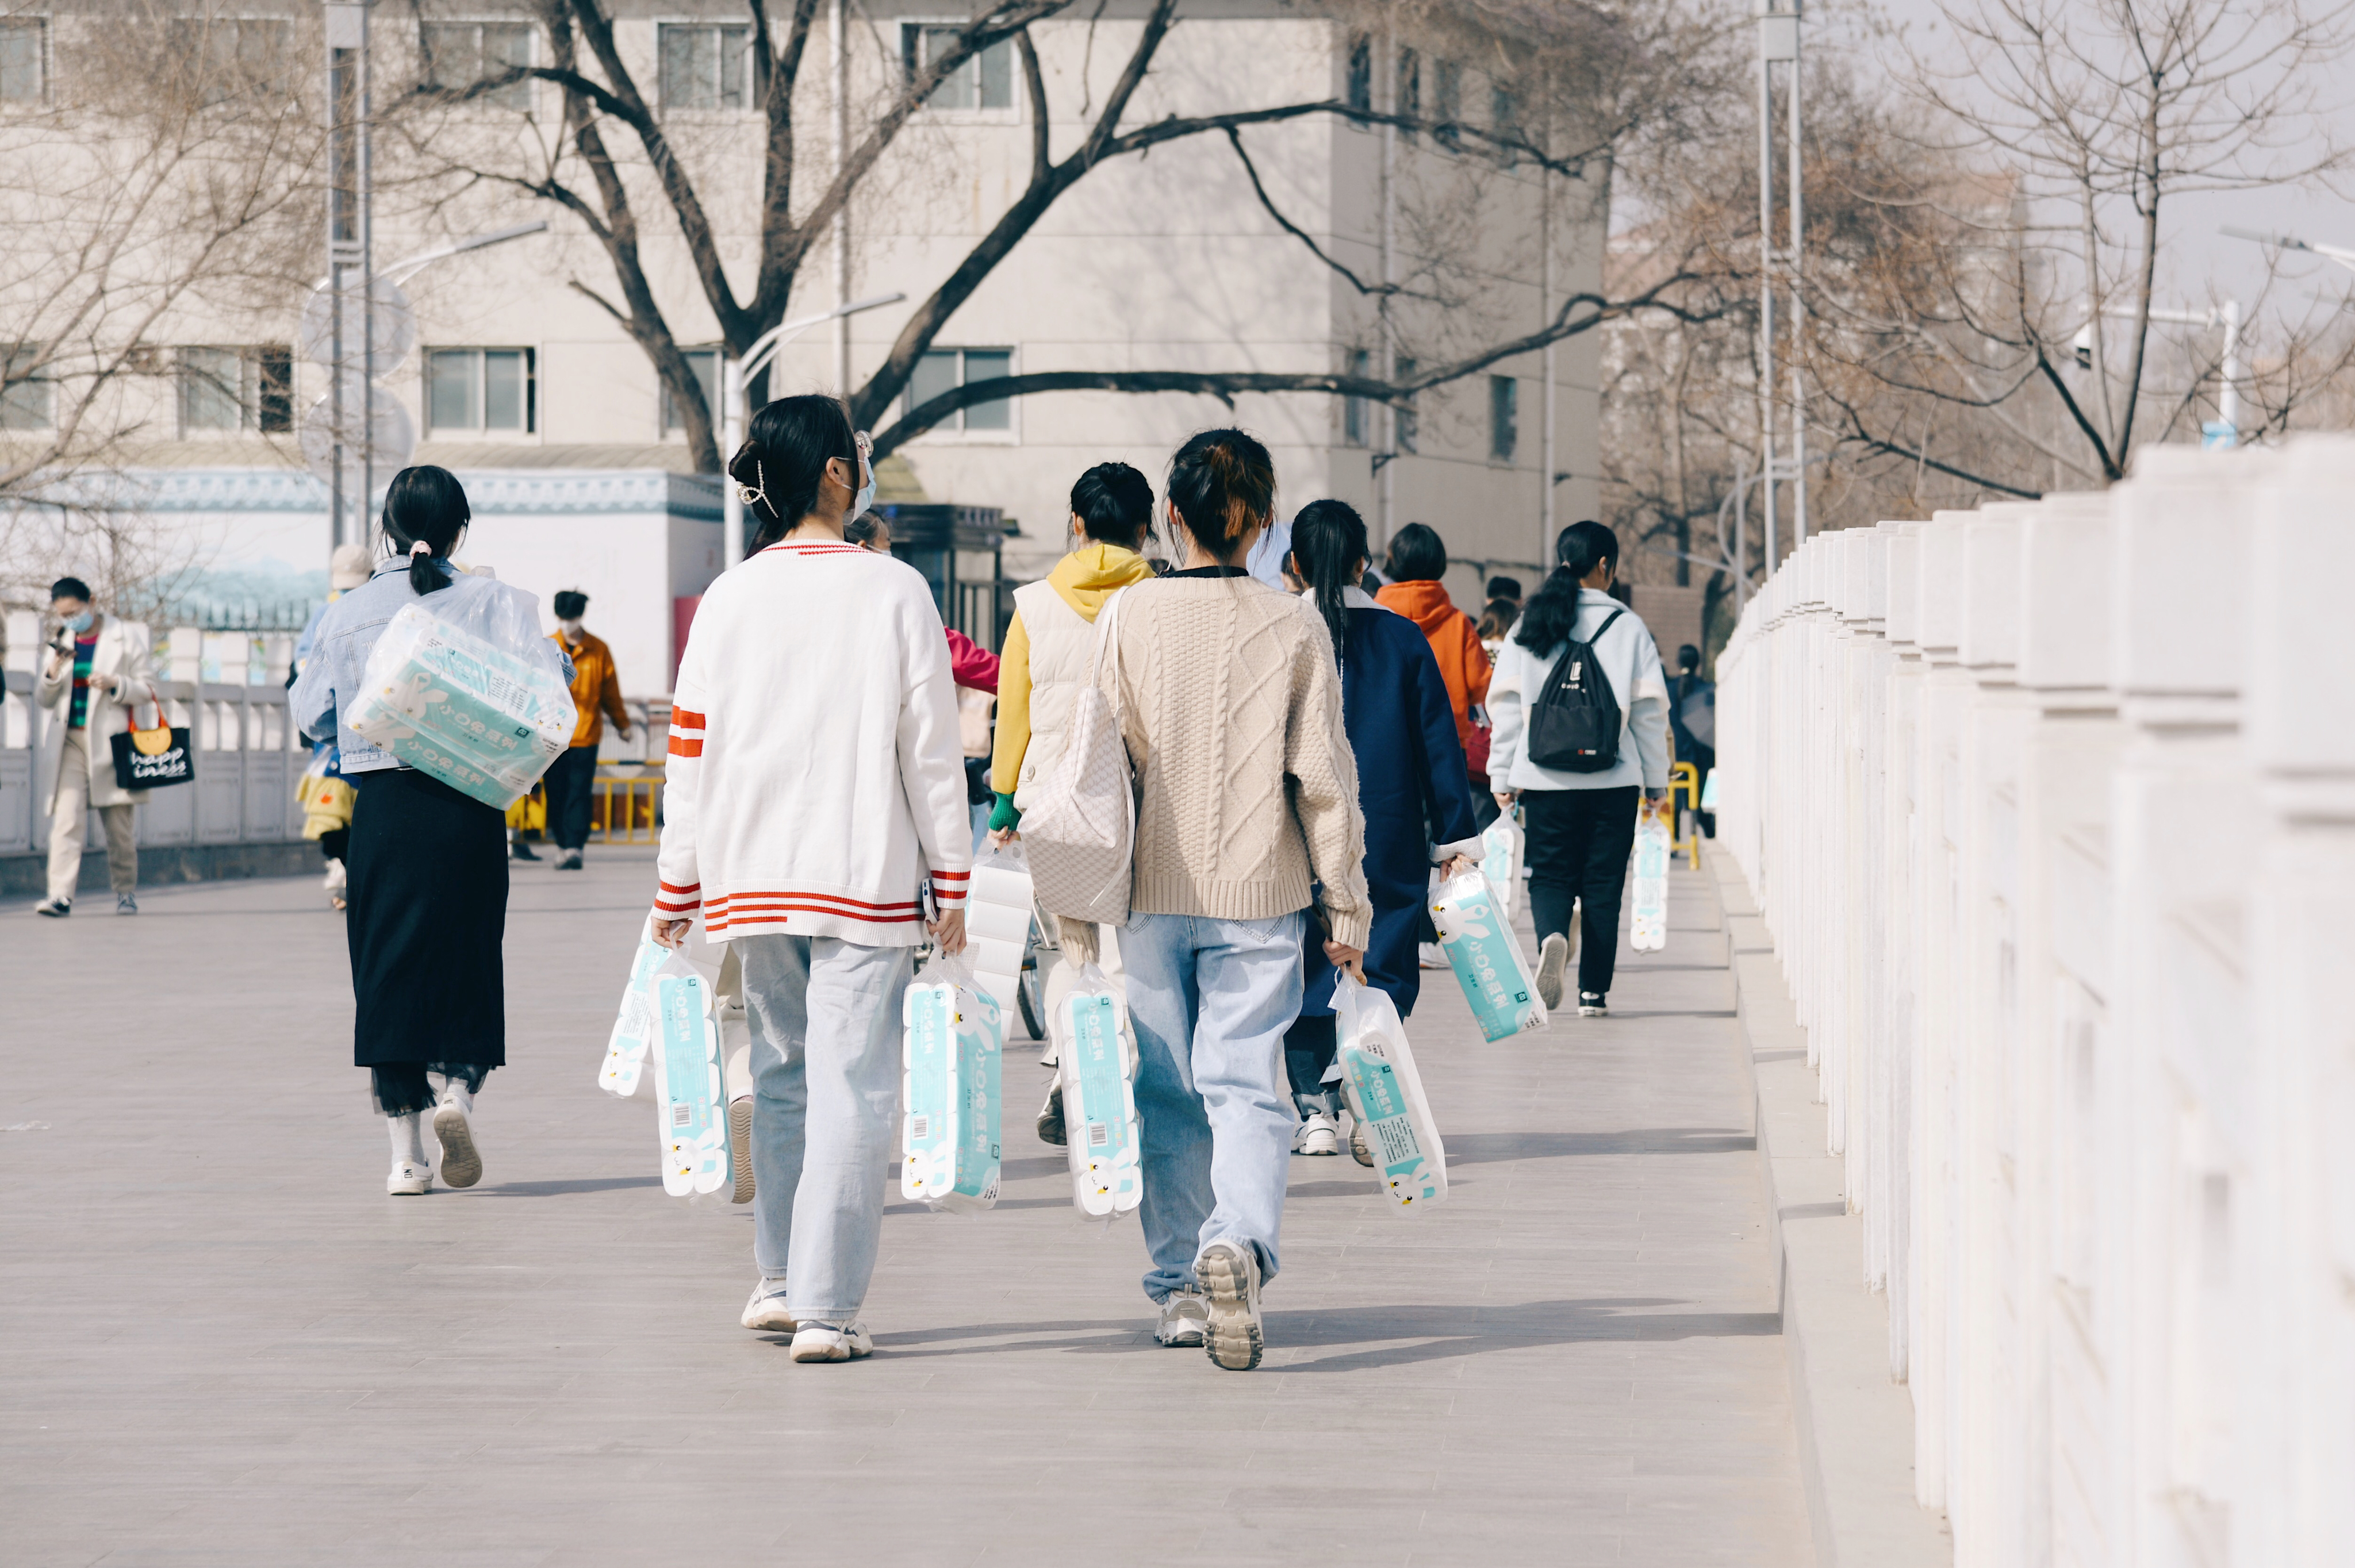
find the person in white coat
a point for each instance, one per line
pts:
(99, 667)
(815, 808)
(1581, 824)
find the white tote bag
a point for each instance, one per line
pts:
(1082, 834)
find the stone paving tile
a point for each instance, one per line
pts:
(225, 1346)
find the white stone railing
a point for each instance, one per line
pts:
(2051, 810)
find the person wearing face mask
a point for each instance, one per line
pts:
(815, 817)
(426, 866)
(571, 779)
(99, 667)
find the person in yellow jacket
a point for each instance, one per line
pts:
(1045, 663)
(571, 779)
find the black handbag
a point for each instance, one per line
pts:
(151, 758)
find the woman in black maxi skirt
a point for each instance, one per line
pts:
(427, 865)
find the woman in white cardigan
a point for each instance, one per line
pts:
(815, 800)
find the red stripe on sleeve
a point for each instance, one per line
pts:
(673, 888)
(687, 718)
(680, 746)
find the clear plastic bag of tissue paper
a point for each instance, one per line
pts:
(950, 1059)
(634, 1028)
(469, 692)
(1097, 1062)
(997, 912)
(1385, 1092)
(1500, 858)
(696, 1156)
(1476, 934)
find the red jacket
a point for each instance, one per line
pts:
(971, 664)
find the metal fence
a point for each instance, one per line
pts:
(2051, 810)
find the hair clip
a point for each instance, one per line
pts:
(749, 493)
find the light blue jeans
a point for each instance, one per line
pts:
(825, 1016)
(1210, 1001)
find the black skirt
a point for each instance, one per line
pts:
(427, 913)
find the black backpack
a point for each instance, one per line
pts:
(1574, 726)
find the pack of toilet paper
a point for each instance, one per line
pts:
(481, 714)
(696, 1155)
(634, 1027)
(1500, 859)
(1476, 934)
(997, 914)
(1385, 1093)
(1647, 916)
(1097, 1063)
(950, 1059)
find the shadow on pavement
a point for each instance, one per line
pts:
(1487, 1147)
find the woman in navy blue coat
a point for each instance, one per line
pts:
(1413, 787)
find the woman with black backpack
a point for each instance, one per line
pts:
(1580, 711)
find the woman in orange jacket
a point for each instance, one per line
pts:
(1417, 560)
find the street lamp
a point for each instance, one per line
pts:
(733, 376)
(2225, 430)
(2344, 257)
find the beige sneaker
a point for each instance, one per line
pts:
(1184, 1315)
(462, 1163)
(1553, 957)
(766, 1312)
(1230, 1276)
(817, 1342)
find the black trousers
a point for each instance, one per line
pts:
(572, 781)
(1579, 843)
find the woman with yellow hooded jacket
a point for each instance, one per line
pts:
(1047, 659)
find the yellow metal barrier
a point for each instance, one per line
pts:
(625, 807)
(1684, 776)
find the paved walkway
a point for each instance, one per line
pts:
(224, 1345)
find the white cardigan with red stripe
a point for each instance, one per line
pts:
(816, 779)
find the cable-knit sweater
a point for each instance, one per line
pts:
(1247, 789)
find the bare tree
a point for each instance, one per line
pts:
(1580, 81)
(166, 174)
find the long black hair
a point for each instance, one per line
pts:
(1329, 543)
(425, 503)
(782, 464)
(1552, 614)
(1221, 481)
(1114, 505)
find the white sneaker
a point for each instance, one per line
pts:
(1553, 957)
(336, 876)
(817, 1342)
(1229, 1275)
(740, 1150)
(408, 1180)
(462, 1163)
(1184, 1317)
(1320, 1134)
(767, 1313)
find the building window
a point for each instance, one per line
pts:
(480, 389)
(705, 363)
(1353, 409)
(1446, 99)
(704, 66)
(24, 59)
(945, 369)
(1409, 90)
(1361, 72)
(986, 80)
(456, 55)
(1404, 416)
(233, 389)
(234, 57)
(1503, 418)
(26, 397)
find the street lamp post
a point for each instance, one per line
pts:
(2225, 430)
(1778, 40)
(734, 376)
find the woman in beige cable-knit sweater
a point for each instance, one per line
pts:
(1247, 803)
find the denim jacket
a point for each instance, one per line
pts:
(345, 635)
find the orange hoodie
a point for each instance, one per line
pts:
(1454, 642)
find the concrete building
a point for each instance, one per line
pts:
(527, 388)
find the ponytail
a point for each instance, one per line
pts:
(1328, 548)
(425, 510)
(1221, 483)
(1552, 614)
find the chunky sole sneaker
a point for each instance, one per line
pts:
(408, 1180)
(1320, 1134)
(1050, 1118)
(1593, 1004)
(817, 1342)
(55, 909)
(766, 1312)
(739, 1148)
(1553, 957)
(1230, 1276)
(1358, 1149)
(1184, 1317)
(461, 1163)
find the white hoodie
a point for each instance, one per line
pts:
(817, 781)
(1630, 658)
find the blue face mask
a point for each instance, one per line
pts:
(80, 623)
(866, 497)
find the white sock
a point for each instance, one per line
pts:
(455, 1091)
(408, 1138)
